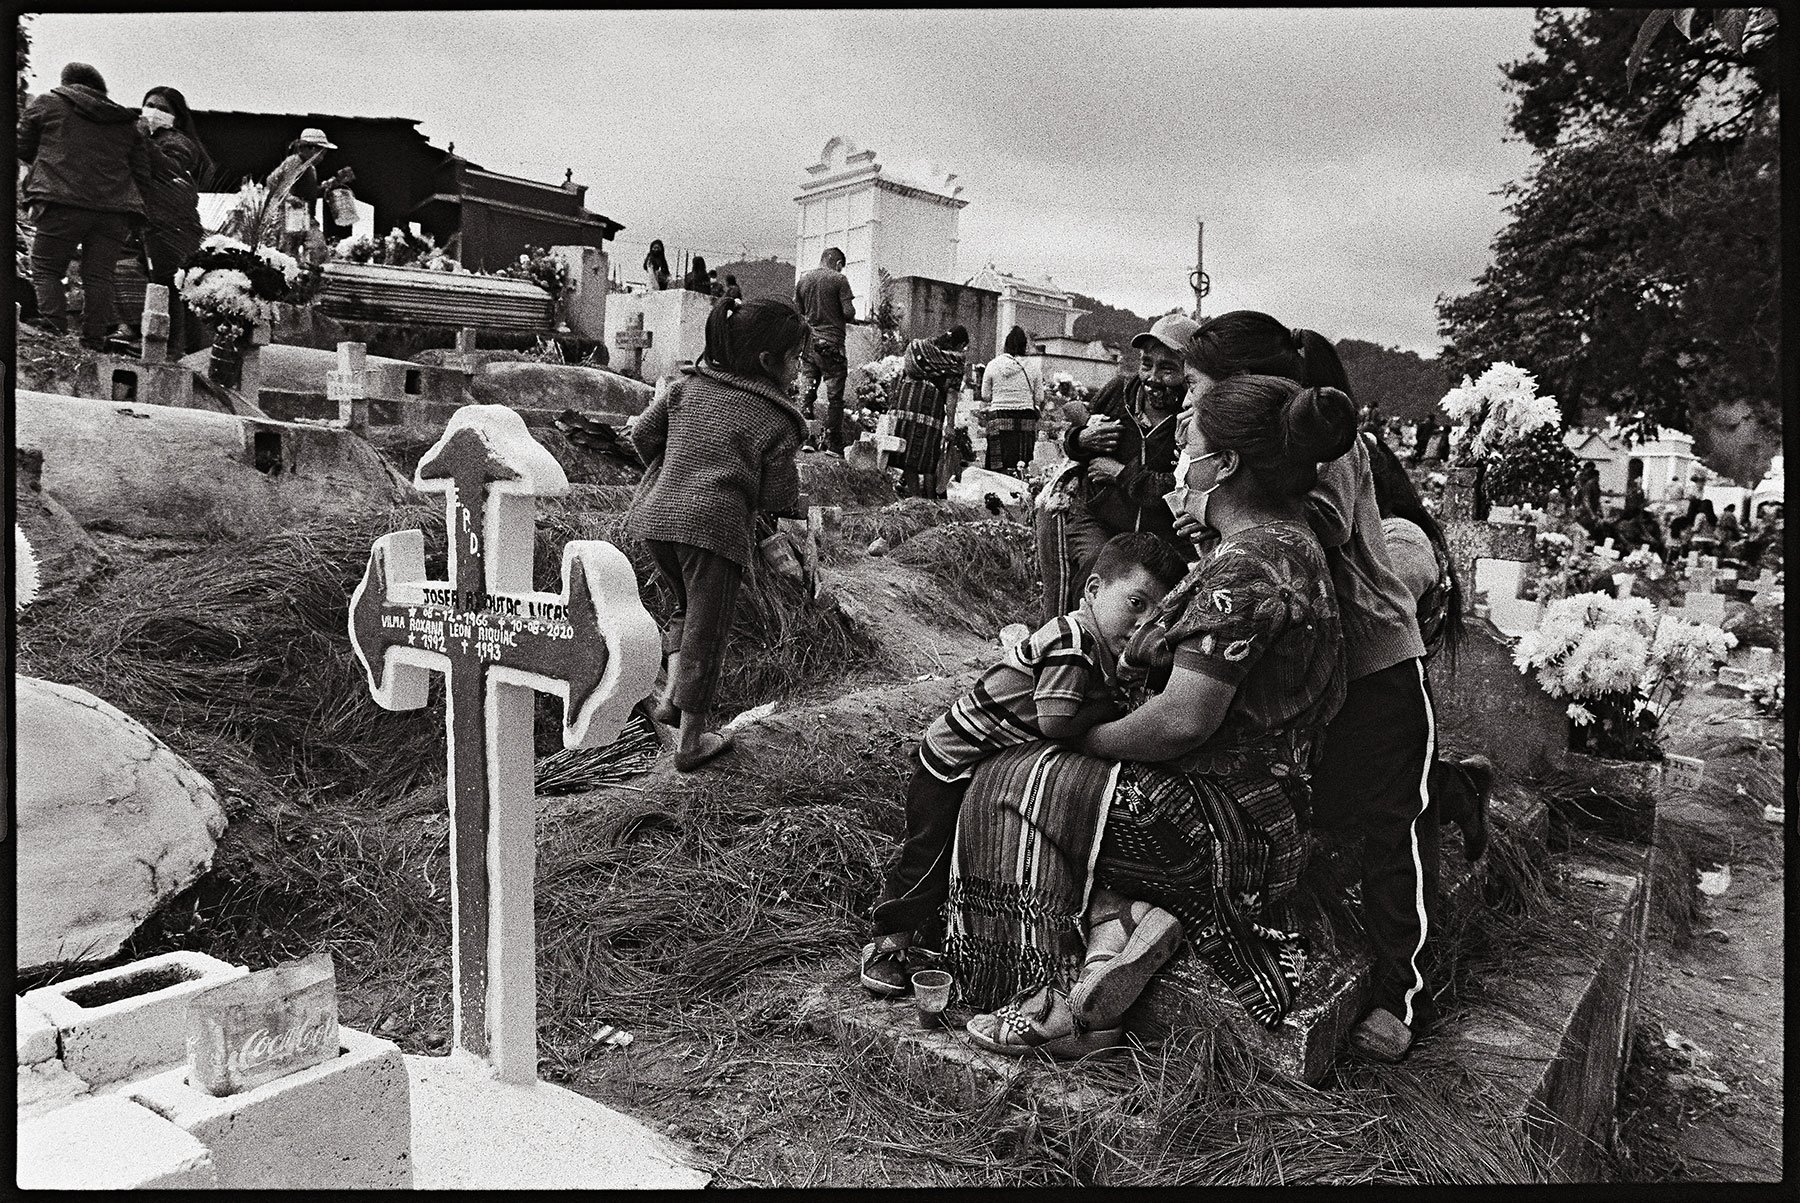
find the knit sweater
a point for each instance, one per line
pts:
(1009, 386)
(1381, 626)
(720, 447)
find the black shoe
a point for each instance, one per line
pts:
(886, 971)
(1480, 772)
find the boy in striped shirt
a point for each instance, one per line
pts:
(1054, 684)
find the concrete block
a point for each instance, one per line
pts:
(119, 378)
(471, 1131)
(110, 1144)
(35, 1034)
(1484, 704)
(47, 1086)
(342, 1124)
(124, 1021)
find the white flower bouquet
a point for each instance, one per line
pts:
(1621, 664)
(1501, 424)
(233, 283)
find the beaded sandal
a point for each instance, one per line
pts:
(1041, 1021)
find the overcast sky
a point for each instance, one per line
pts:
(1344, 160)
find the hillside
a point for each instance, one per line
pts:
(1407, 385)
(769, 277)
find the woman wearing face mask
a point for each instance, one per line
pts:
(1189, 807)
(1380, 756)
(179, 168)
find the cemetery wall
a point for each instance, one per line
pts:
(931, 306)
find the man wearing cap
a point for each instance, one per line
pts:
(90, 169)
(1122, 445)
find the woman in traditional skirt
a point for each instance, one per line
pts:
(1011, 390)
(1078, 873)
(932, 372)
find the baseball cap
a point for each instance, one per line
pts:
(1172, 331)
(317, 138)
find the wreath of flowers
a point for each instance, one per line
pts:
(540, 267)
(232, 284)
(398, 248)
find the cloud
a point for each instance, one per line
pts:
(1343, 159)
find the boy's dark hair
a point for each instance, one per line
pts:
(738, 332)
(1137, 549)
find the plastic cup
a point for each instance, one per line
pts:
(931, 993)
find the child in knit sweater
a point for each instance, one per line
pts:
(1053, 684)
(720, 443)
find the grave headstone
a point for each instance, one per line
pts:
(635, 340)
(592, 644)
(156, 323)
(348, 387)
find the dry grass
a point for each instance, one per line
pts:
(988, 568)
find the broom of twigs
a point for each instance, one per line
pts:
(570, 770)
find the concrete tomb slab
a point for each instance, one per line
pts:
(46, 1086)
(474, 1132)
(110, 1144)
(341, 1124)
(33, 1032)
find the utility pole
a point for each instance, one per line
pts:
(1198, 279)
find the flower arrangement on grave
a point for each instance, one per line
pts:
(1509, 435)
(1622, 665)
(875, 380)
(235, 285)
(542, 268)
(1768, 694)
(398, 248)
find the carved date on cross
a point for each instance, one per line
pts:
(592, 644)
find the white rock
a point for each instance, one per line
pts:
(111, 822)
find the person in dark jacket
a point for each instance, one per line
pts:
(721, 445)
(90, 169)
(179, 167)
(1123, 448)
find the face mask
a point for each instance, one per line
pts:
(1177, 500)
(157, 119)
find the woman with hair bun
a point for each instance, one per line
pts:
(1380, 756)
(1189, 808)
(720, 443)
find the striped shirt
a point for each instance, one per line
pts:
(1049, 672)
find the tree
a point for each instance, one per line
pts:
(1406, 385)
(1639, 275)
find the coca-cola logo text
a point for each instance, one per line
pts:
(262, 1047)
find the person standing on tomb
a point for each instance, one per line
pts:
(180, 167)
(1011, 390)
(931, 371)
(1122, 453)
(732, 290)
(657, 264)
(296, 179)
(698, 279)
(720, 444)
(714, 285)
(90, 170)
(1729, 531)
(823, 295)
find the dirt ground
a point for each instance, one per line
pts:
(1703, 1101)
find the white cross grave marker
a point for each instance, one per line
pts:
(348, 386)
(593, 645)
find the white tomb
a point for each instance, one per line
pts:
(903, 220)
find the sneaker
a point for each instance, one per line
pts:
(886, 968)
(1480, 772)
(1381, 1036)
